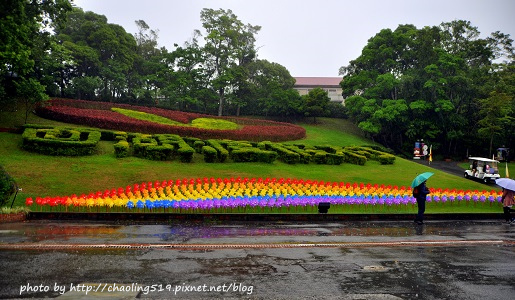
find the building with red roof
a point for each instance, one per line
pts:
(330, 84)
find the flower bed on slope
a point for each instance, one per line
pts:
(100, 115)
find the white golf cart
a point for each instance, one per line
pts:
(484, 169)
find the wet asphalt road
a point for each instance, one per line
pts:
(450, 167)
(346, 260)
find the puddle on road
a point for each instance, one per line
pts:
(208, 232)
(375, 268)
(35, 231)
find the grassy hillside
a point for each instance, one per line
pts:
(40, 175)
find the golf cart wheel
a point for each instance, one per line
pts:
(465, 175)
(485, 180)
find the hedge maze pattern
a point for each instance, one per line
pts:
(165, 147)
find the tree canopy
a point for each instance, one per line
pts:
(25, 32)
(443, 84)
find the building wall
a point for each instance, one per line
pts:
(334, 91)
(335, 94)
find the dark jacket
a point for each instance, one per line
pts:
(421, 191)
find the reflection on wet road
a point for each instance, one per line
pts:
(56, 232)
(346, 260)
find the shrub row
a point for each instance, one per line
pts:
(121, 149)
(210, 154)
(285, 155)
(382, 157)
(353, 158)
(145, 146)
(244, 151)
(105, 135)
(100, 115)
(61, 141)
(162, 147)
(253, 155)
(304, 154)
(221, 152)
(171, 146)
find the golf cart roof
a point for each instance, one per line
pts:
(483, 159)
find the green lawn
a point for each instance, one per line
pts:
(40, 175)
(335, 132)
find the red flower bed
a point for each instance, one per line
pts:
(100, 115)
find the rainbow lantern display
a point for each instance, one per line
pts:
(254, 195)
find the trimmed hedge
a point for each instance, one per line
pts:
(121, 149)
(383, 158)
(7, 186)
(105, 135)
(320, 157)
(61, 141)
(386, 159)
(249, 154)
(285, 154)
(353, 158)
(304, 156)
(334, 159)
(327, 148)
(182, 148)
(198, 145)
(145, 146)
(171, 146)
(237, 145)
(210, 154)
(185, 152)
(222, 153)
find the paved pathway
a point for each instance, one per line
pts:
(343, 260)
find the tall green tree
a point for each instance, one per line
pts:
(316, 103)
(31, 92)
(229, 44)
(25, 28)
(270, 90)
(145, 79)
(496, 111)
(187, 84)
(100, 49)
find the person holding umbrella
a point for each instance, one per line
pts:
(420, 192)
(508, 195)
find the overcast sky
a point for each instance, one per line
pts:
(308, 37)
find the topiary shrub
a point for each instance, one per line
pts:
(222, 153)
(334, 159)
(382, 157)
(249, 154)
(304, 156)
(121, 149)
(181, 147)
(320, 157)
(386, 159)
(185, 152)
(285, 154)
(7, 186)
(198, 145)
(353, 158)
(147, 147)
(61, 141)
(327, 148)
(210, 154)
